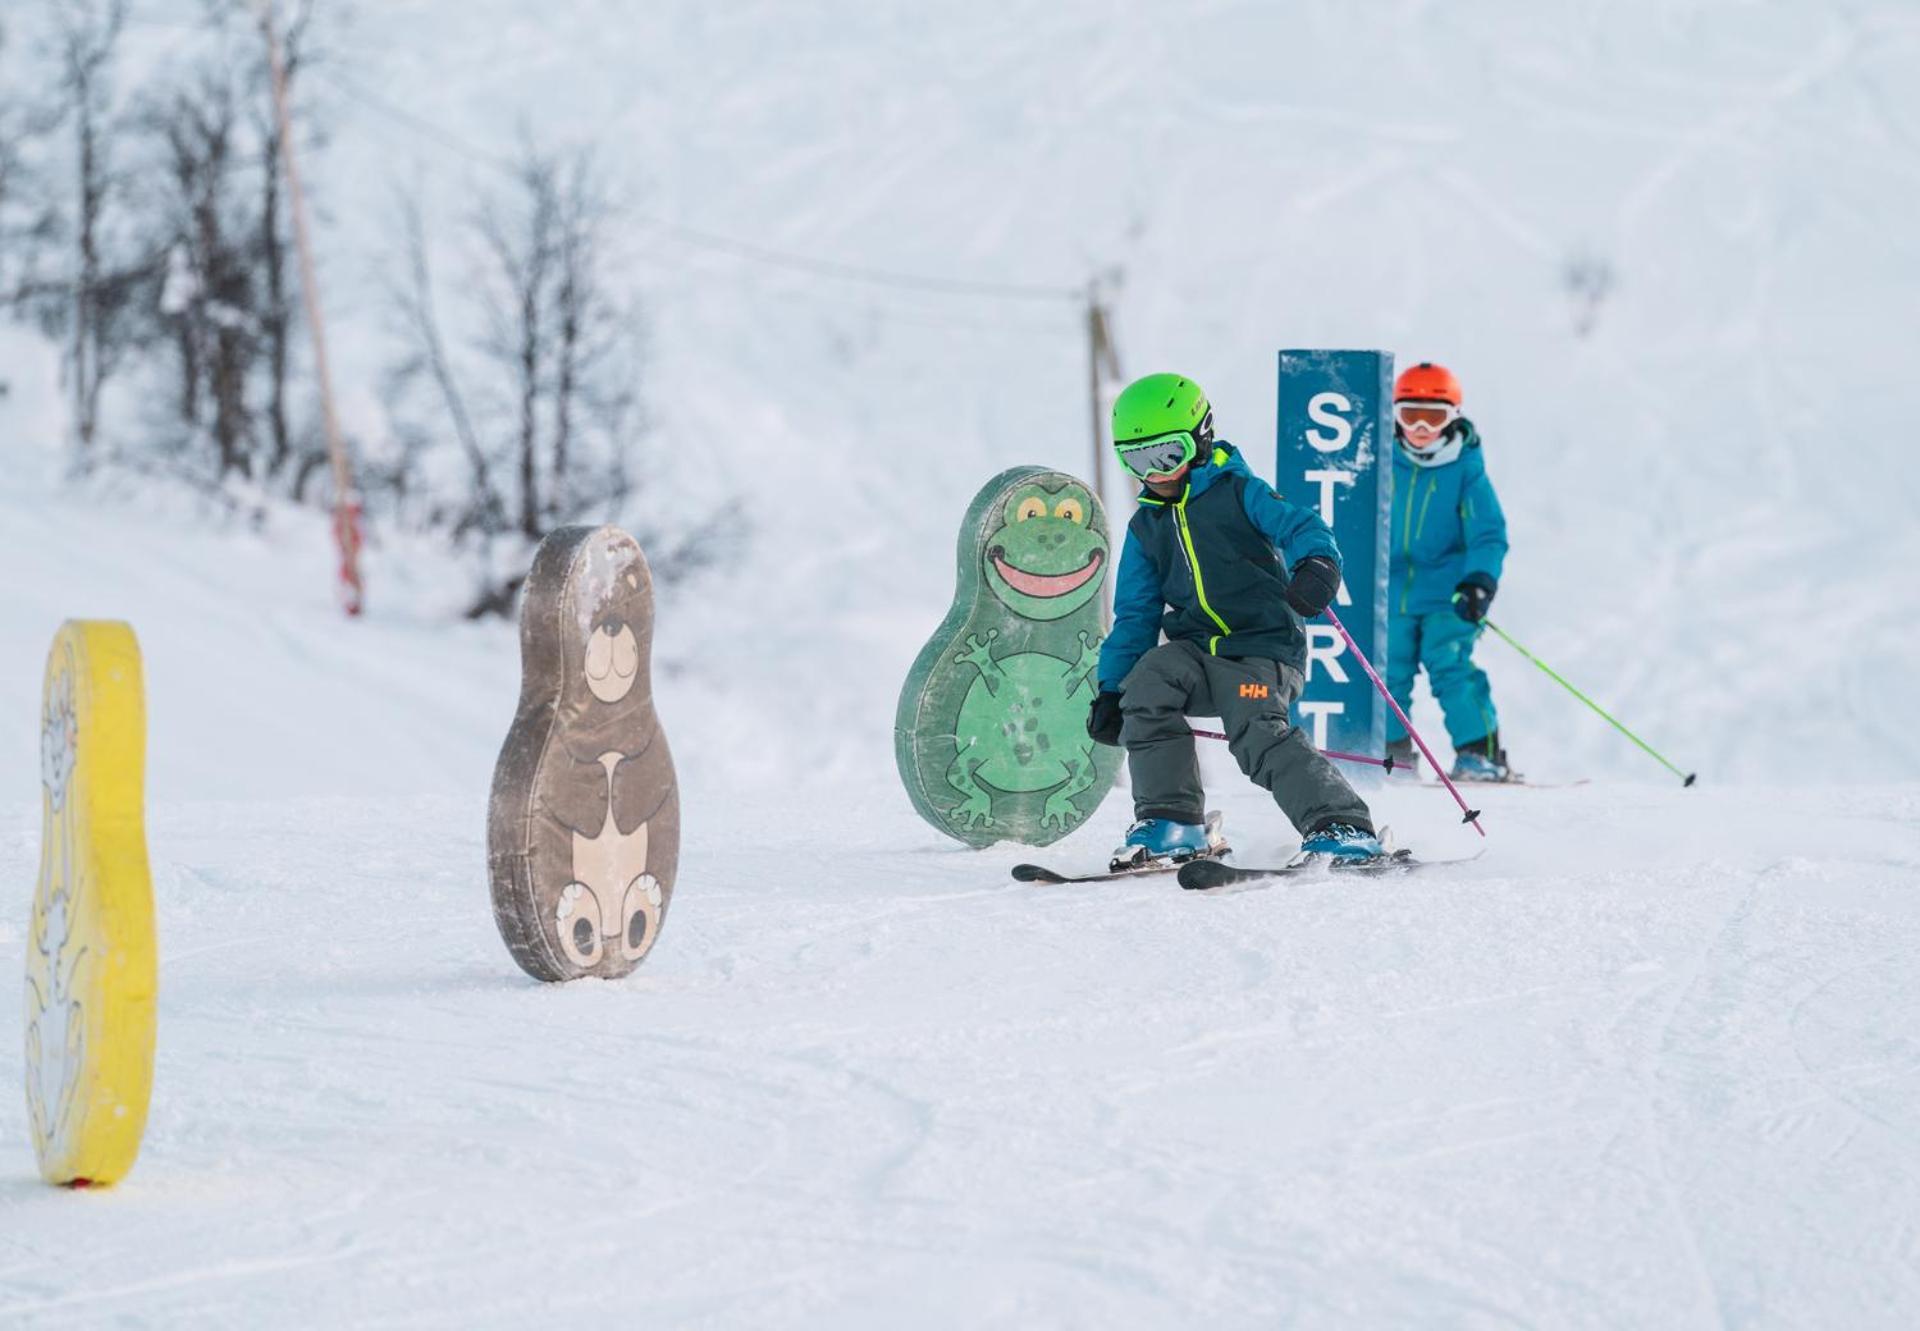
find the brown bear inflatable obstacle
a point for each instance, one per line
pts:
(583, 829)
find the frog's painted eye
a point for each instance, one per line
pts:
(1071, 510)
(1033, 506)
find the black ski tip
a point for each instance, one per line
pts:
(1691, 778)
(1201, 874)
(1034, 873)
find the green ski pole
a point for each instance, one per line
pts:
(1686, 778)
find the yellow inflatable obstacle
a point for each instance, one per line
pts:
(91, 962)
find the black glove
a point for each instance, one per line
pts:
(1311, 590)
(1103, 718)
(1472, 597)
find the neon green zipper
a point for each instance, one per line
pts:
(1406, 548)
(1408, 531)
(1193, 562)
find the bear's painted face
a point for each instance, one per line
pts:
(613, 661)
(1045, 561)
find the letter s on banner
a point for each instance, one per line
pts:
(1323, 409)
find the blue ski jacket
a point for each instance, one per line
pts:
(1447, 528)
(1210, 566)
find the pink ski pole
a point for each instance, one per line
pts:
(1386, 762)
(1470, 815)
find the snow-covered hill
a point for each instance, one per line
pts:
(1711, 492)
(1650, 1061)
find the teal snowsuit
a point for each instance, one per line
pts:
(1447, 529)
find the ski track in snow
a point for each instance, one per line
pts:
(879, 1083)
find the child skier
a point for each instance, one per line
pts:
(1227, 568)
(1449, 544)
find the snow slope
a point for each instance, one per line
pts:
(1650, 1061)
(871, 1082)
(1710, 493)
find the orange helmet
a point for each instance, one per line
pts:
(1427, 382)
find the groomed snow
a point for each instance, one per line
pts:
(1650, 1061)
(872, 1083)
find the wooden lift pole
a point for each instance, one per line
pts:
(1103, 364)
(346, 503)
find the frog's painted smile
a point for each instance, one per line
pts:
(1046, 560)
(1044, 586)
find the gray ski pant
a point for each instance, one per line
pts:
(1251, 697)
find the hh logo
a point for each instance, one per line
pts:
(1253, 690)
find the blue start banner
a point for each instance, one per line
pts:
(1335, 436)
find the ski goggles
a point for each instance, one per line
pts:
(1161, 455)
(1435, 416)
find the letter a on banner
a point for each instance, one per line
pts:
(91, 957)
(1334, 435)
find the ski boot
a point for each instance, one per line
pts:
(1482, 760)
(1161, 840)
(1342, 844)
(1405, 759)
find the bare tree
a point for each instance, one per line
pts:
(167, 254)
(417, 313)
(13, 229)
(276, 305)
(556, 361)
(520, 233)
(207, 225)
(86, 41)
(10, 137)
(593, 331)
(10, 176)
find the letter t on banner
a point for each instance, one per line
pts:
(1335, 438)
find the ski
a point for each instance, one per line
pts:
(1207, 875)
(1039, 873)
(1217, 847)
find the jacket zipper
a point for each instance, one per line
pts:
(1408, 531)
(1193, 563)
(1433, 483)
(1406, 549)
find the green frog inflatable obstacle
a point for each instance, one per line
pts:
(991, 734)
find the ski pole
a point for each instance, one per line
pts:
(1386, 762)
(1467, 815)
(1686, 778)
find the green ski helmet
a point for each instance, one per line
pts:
(1160, 423)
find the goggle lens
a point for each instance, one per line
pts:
(1432, 415)
(1158, 457)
